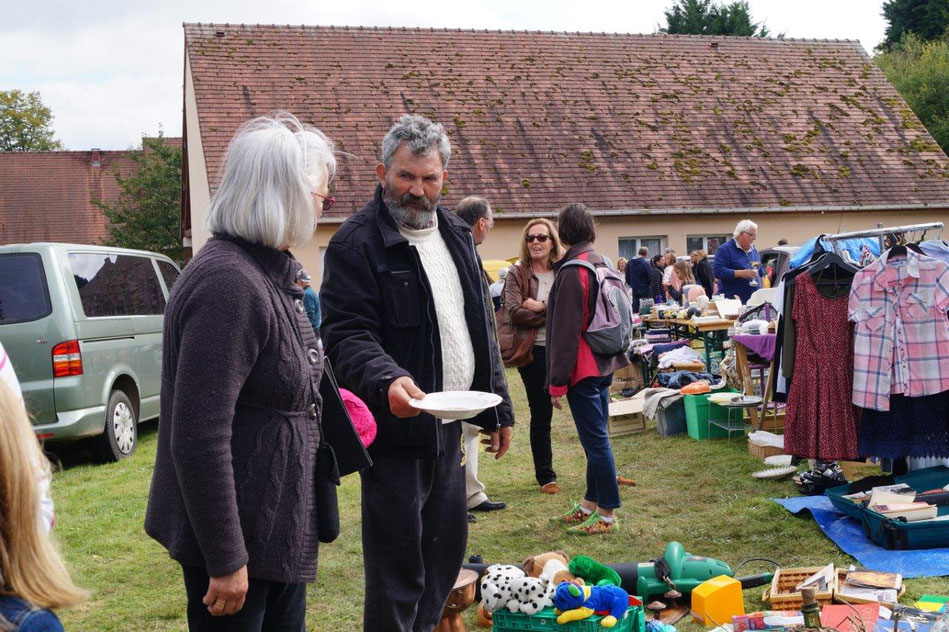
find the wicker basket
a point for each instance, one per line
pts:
(780, 593)
(763, 451)
(842, 575)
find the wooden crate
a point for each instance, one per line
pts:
(780, 593)
(842, 575)
(626, 417)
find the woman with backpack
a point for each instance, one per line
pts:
(576, 370)
(33, 578)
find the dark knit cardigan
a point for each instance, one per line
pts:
(238, 433)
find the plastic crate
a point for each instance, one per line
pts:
(546, 620)
(671, 421)
(698, 411)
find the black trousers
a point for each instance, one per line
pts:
(414, 533)
(534, 376)
(268, 607)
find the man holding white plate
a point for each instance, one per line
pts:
(405, 315)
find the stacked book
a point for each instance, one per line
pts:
(900, 501)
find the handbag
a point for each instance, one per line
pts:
(338, 429)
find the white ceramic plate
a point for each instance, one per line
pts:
(456, 404)
(778, 460)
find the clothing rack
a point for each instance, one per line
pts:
(882, 232)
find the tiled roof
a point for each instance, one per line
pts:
(621, 122)
(47, 196)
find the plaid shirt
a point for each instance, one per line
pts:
(901, 342)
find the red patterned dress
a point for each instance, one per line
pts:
(821, 421)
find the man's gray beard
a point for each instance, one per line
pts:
(413, 218)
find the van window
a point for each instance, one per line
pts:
(168, 272)
(24, 295)
(116, 285)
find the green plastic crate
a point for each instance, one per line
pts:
(698, 411)
(546, 620)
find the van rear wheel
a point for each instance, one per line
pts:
(121, 430)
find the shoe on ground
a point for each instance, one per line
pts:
(622, 480)
(550, 488)
(575, 516)
(488, 506)
(595, 525)
(471, 518)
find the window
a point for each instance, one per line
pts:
(23, 292)
(168, 272)
(708, 243)
(116, 285)
(629, 246)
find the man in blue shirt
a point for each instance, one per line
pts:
(637, 277)
(311, 301)
(737, 263)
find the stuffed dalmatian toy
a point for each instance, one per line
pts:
(530, 595)
(496, 586)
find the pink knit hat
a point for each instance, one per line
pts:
(363, 420)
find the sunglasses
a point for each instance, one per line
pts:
(328, 200)
(540, 238)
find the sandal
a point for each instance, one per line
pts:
(594, 525)
(575, 516)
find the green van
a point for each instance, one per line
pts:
(83, 328)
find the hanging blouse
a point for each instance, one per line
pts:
(901, 342)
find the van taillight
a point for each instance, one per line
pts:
(67, 360)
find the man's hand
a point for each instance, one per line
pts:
(400, 392)
(498, 442)
(534, 305)
(226, 594)
(555, 402)
(746, 274)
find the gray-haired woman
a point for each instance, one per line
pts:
(235, 497)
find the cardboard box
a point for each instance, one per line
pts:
(626, 417)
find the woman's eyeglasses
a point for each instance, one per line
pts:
(540, 238)
(328, 200)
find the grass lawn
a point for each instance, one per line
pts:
(699, 493)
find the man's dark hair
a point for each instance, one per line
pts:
(643, 252)
(782, 242)
(656, 259)
(472, 208)
(576, 225)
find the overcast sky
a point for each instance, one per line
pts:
(112, 70)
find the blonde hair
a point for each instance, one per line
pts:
(555, 253)
(700, 253)
(30, 565)
(684, 272)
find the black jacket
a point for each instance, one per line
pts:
(704, 276)
(655, 283)
(234, 479)
(379, 324)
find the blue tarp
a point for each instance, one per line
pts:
(853, 246)
(847, 533)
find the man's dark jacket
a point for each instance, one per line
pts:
(379, 324)
(637, 278)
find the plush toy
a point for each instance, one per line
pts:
(552, 564)
(593, 572)
(496, 585)
(530, 594)
(574, 602)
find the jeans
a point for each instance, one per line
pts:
(268, 607)
(534, 376)
(589, 401)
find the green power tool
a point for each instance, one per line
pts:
(677, 570)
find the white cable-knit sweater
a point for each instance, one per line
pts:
(458, 361)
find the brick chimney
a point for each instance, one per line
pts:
(95, 157)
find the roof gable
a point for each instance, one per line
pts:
(621, 122)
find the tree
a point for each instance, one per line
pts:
(25, 123)
(147, 214)
(927, 19)
(701, 17)
(920, 72)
